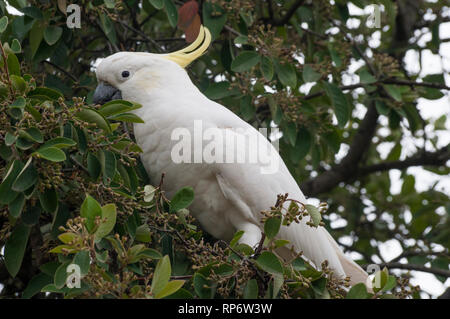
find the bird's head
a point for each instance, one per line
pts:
(127, 74)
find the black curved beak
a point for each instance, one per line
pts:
(105, 93)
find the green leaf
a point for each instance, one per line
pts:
(92, 116)
(391, 283)
(32, 12)
(245, 61)
(380, 279)
(36, 36)
(182, 199)
(395, 152)
(34, 134)
(267, 68)
(408, 185)
(7, 195)
(59, 142)
(16, 47)
(45, 93)
(3, 23)
(93, 165)
(133, 253)
(67, 238)
(244, 249)
(127, 117)
(18, 83)
(161, 275)
(52, 34)
(435, 78)
(15, 248)
(247, 17)
(89, 210)
(23, 143)
(214, 18)
(291, 132)
(170, 288)
(201, 286)
(313, 211)
(110, 4)
(52, 288)
(172, 12)
(382, 108)
(439, 124)
(109, 213)
(236, 238)
(49, 268)
(108, 28)
(61, 275)
(31, 216)
(150, 253)
(218, 90)
(143, 233)
(251, 289)
(16, 108)
(13, 64)
(16, 206)
(393, 91)
(49, 200)
(158, 4)
(309, 75)
(242, 39)
(115, 107)
(247, 108)
(333, 140)
(341, 107)
(83, 260)
(334, 55)
(286, 73)
(278, 281)
(365, 77)
(10, 139)
(36, 284)
(272, 227)
(109, 165)
(51, 153)
(358, 291)
(432, 94)
(26, 178)
(268, 262)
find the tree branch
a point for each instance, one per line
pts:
(62, 70)
(285, 19)
(414, 83)
(346, 168)
(438, 158)
(142, 34)
(435, 271)
(386, 81)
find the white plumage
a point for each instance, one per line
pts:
(228, 196)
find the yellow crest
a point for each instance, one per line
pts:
(187, 55)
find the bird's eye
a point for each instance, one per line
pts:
(125, 74)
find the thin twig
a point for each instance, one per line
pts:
(435, 271)
(62, 70)
(142, 34)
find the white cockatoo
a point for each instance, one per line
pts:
(229, 195)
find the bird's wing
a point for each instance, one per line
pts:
(252, 191)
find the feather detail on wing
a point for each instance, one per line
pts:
(251, 191)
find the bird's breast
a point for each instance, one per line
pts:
(210, 207)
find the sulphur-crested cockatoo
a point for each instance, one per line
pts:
(231, 186)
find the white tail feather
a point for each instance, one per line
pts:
(317, 246)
